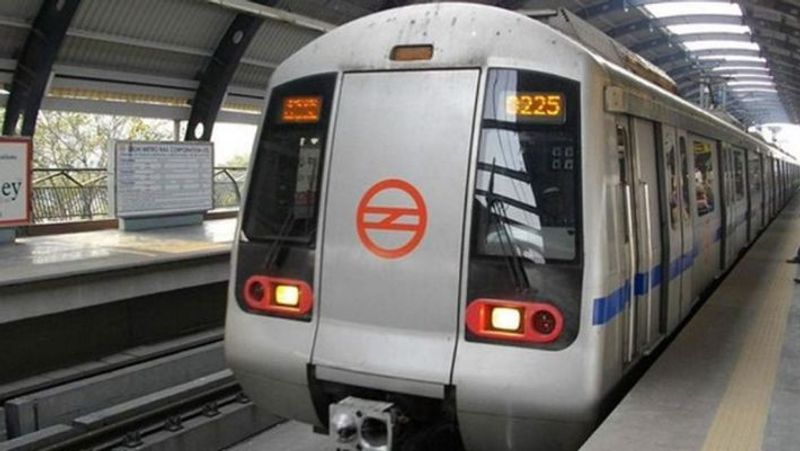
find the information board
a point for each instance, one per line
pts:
(161, 178)
(15, 181)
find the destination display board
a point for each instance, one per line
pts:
(15, 181)
(161, 178)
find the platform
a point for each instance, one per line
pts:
(56, 273)
(731, 378)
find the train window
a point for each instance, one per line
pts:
(684, 175)
(282, 201)
(526, 233)
(622, 146)
(704, 177)
(672, 176)
(528, 178)
(622, 159)
(738, 174)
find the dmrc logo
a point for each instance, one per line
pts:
(391, 219)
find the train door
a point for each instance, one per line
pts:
(635, 195)
(767, 171)
(392, 240)
(739, 180)
(756, 188)
(764, 191)
(684, 267)
(648, 296)
(726, 231)
(782, 167)
(705, 211)
(672, 229)
(774, 191)
(750, 201)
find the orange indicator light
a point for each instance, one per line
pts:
(412, 53)
(301, 109)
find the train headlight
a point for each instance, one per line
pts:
(514, 321)
(506, 319)
(291, 298)
(287, 295)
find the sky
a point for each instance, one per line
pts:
(231, 139)
(786, 136)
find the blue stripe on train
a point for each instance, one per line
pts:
(611, 305)
(606, 308)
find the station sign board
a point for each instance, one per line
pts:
(16, 156)
(161, 178)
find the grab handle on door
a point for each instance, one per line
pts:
(632, 277)
(649, 250)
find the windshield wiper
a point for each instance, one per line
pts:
(278, 240)
(497, 210)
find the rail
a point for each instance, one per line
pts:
(81, 194)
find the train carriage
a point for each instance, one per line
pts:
(457, 214)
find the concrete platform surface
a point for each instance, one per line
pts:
(57, 256)
(41, 276)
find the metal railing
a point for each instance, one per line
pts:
(228, 185)
(67, 194)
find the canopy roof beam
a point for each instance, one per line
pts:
(218, 73)
(35, 65)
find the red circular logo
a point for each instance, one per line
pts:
(378, 220)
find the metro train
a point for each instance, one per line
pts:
(457, 216)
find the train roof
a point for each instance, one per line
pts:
(473, 35)
(465, 35)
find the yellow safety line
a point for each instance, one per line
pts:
(742, 414)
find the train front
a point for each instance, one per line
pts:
(410, 251)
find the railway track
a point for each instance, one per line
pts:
(169, 412)
(143, 354)
(174, 392)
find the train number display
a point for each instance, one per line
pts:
(536, 107)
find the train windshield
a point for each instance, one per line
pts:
(528, 174)
(283, 198)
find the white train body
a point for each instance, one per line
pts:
(405, 191)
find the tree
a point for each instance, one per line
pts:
(238, 161)
(80, 140)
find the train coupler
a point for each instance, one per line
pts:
(363, 425)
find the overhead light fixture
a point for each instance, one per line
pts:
(696, 46)
(751, 83)
(673, 9)
(738, 58)
(745, 89)
(739, 76)
(696, 28)
(740, 68)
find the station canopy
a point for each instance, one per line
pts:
(161, 58)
